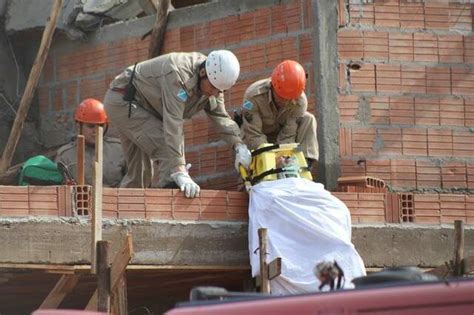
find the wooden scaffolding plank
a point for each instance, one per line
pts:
(62, 288)
(96, 223)
(159, 28)
(81, 147)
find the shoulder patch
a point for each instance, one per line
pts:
(182, 95)
(248, 105)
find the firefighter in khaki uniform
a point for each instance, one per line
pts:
(274, 111)
(149, 102)
(88, 114)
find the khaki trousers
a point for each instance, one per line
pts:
(306, 136)
(143, 142)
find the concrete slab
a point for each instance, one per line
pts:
(59, 241)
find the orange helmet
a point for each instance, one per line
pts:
(288, 79)
(91, 111)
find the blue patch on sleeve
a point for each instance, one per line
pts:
(248, 105)
(182, 95)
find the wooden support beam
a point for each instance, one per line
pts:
(119, 298)
(274, 268)
(62, 288)
(117, 270)
(103, 276)
(30, 88)
(81, 152)
(444, 270)
(82, 269)
(159, 28)
(458, 247)
(121, 261)
(263, 239)
(96, 223)
(92, 304)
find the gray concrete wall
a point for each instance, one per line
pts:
(57, 241)
(26, 14)
(3, 7)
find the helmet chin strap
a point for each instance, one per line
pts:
(201, 74)
(279, 102)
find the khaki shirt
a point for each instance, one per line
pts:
(114, 165)
(263, 122)
(168, 86)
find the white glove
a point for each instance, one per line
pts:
(186, 184)
(242, 156)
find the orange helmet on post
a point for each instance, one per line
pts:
(91, 111)
(288, 79)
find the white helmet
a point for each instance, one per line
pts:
(222, 69)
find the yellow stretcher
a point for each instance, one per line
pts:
(266, 166)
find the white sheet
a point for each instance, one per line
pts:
(306, 225)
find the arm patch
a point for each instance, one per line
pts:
(248, 105)
(182, 95)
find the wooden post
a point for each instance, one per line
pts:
(30, 88)
(103, 276)
(96, 223)
(263, 239)
(117, 271)
(62, 288)
(81, 147)
(458, 247)
(159, 28)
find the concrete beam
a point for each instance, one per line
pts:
(324, 37)
(403, 245)
(162, 243)
(58, 241)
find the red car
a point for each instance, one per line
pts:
(433, 297)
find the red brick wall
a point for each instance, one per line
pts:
(219, 205)
(409, 110)
(260, 39)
